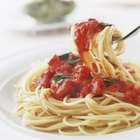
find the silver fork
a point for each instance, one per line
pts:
(131, 34)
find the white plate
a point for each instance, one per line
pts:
(11, 69)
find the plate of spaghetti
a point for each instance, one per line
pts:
(86, 91)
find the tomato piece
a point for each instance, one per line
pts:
(64, 69)
(85, 88)
(81, 71)
(45, 79)
(55, 62)
(132, 97)
(117, 86)
(63, 89)
(97, 86)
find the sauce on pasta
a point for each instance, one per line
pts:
(78, 81)
(84, 32)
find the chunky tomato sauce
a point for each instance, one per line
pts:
(77, 81)
(84, 32)
(69, 76)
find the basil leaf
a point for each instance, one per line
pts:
(58, 77)
(111, 80)
(105, 24)
(73, 62)
(64, 56)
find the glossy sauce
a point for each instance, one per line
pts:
(84, 32)
(80, 82)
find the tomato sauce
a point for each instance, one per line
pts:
(84, 32)
(71, 77)
(80, 82)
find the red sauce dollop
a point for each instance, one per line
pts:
(84, 32)
(80, 82)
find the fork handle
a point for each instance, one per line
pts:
(131, 34)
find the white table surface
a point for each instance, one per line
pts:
(12, 42)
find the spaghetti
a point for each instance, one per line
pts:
(94, 92)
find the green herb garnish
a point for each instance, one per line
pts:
(105, 24)
(58, 77)
(64, 56)
(111, 80)
(73, 62)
